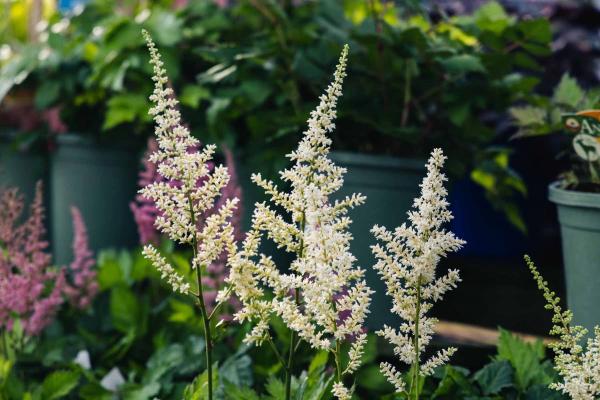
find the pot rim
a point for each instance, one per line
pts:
(374, 160)
(572, 198)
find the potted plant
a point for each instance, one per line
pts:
(577, 191)
(417, 82)
(23, 150)
(92, 67)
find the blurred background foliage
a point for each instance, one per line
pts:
(248, 74)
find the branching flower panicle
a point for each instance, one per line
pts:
(407, 261)
(579, 367)
(323, 280)
(31, 289)
(187, 198)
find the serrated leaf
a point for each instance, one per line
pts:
(568, 92)
(528, 115)
(492, 17)
(494, 377)
(59, 384)
(198, 389)
(463, 63)
(525, 359)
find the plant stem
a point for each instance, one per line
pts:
(203, 312)
(288, 370)
(338, 362)
(292, 350)
(414, 384)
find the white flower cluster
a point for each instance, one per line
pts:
(579, 368)
(323, 282)
(190, 188)
(407, 263)
(167, 272)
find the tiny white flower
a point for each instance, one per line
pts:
(406, 261)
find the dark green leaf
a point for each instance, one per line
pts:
(59, 384)
(494, 377)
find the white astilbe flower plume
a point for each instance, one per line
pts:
(578, 367)
(323, 282)
(189, 190)
(407, 261)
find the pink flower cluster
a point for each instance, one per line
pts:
(31, 289)
(145, 213)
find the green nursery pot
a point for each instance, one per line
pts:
(101, 181)
(390, 185)
(579, 217)
(22, 169)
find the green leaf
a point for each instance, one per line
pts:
(318, 362)
(125, 310)
(59, 384)
(256, 91)
(110, 273)
(124, 108)
(528, 115)
(145, 392)
(494, 377)
(47, 94)
(182, 312)
(275, 388)
(217, 106)
(240, 393)
(192, 95)
(454, 384)
(463, 63)
(542, 392)
(237, 369)
(165, 27)
(163, 361)
(568, 92)
(371, 378)
(198, 389)
(492, 17)
(525, 359)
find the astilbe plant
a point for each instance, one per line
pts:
(31, 289)
(578, 367)
(182, 204)
(145, 212)
(407, 263)
(323, 281)
(82, 286)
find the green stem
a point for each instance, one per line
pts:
(288, 370)
(338, 362)
(292, 349)
(203, 312)
(414, 384)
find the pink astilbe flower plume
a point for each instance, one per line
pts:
(144, 210)
(83, 287)
(31, 289)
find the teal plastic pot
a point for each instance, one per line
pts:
(579, 217)
(390, 185)
(100, 180)
(22, 168)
